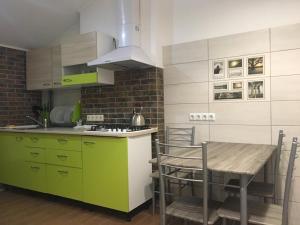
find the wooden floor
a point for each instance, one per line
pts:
(24, 208)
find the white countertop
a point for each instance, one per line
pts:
(82, 132)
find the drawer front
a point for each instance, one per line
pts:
(64, 158)
(64, 181)
(33, 140)
(34, 154)
(64, 142)
(35, 174)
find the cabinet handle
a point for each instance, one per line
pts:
(89, 143)
(62, 157)
(19, 139)
(35, 154)
(63, 172)
(35, 167)
(67, 80)
(62, 141)
(34, 139)
(57, 83)
(46, 84)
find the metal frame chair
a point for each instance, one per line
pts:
(264, 213)
(262, 189)
(187, 208)
(172, 135)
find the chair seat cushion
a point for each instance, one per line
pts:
(259, 189)
(190, 208)
(258, 213)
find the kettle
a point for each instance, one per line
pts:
(137, 118)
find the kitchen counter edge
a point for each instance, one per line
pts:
(71, 131)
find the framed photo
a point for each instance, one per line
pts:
(256, 65)
(237, 85)
(218, 69)
(256, 89)
(235, 67)
(230, 95)
(221, 86)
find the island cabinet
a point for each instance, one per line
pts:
(111, 172)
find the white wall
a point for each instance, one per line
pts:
(156, 22)
(201, 19)
(188, 87)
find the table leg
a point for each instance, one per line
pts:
(243, 199)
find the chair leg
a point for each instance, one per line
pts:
(192, 184)
(153, 196)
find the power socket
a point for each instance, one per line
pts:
(96, 117)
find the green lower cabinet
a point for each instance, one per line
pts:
(105, 172)
(12, 159)
(64, 181)
(35, 174)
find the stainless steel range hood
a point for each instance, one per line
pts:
(128, 54)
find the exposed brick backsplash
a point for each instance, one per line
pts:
(15, 100)
(132, 89)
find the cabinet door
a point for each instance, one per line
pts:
(35, 174)
(105, 172)
(56, 67)
(39, 69)
(12, 159)
(64, 181)
(80, 50)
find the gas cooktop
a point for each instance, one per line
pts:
(117, 128)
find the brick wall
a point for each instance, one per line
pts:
(15, 101)
(131, 89)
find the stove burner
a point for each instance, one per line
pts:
(117, 128)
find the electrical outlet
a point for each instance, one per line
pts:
(212, 116)
(99, 117)
(89, 118)
(192, 116)
(204, 116)
(198, 116)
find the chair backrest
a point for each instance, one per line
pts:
(179, 136)
(167, 162)
(288, 181)
(277, 161)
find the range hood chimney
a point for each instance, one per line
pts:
(128, 54)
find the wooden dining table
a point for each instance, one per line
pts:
(243, 159)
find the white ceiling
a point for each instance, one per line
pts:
(36, 23)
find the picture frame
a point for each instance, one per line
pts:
(235, 67)
(255, 89)
(228, 95)
(237, 85)
(218, 69)
(221, 86)
(256, 65)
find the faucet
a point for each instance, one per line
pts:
(36, 121)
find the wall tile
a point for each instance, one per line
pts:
(179, 113)
(286, 113)
(285, 87)
(240, 134)
(294, 215)
(285, 37)
(185, 52)
(186, 73)
(186, 93)
(295, 186)
(285, 62)
(201, 133)
(246, 113)
(239, 44)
